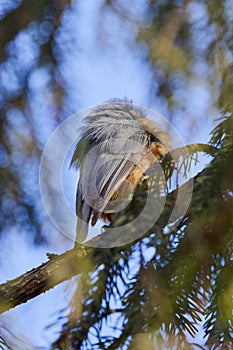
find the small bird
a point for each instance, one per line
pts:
(117, 145)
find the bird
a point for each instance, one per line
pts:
(117, 145)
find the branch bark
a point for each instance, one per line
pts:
(60, 268)
(57, 269)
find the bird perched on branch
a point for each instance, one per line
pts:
(117, 145)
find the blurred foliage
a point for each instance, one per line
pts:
(157, 291)
(27, 35)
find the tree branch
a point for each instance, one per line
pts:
(62, 267)
(40, 279)
(58, 269)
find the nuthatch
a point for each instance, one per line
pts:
(118, 145)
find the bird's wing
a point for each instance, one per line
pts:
(115, 180)
(105, 170)
(106, 182)
(115, 173)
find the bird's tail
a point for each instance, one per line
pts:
(81, 231)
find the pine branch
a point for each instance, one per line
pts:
(62, 267)
(58, 269)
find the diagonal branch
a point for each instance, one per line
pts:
(60, 268)
(57, 269)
